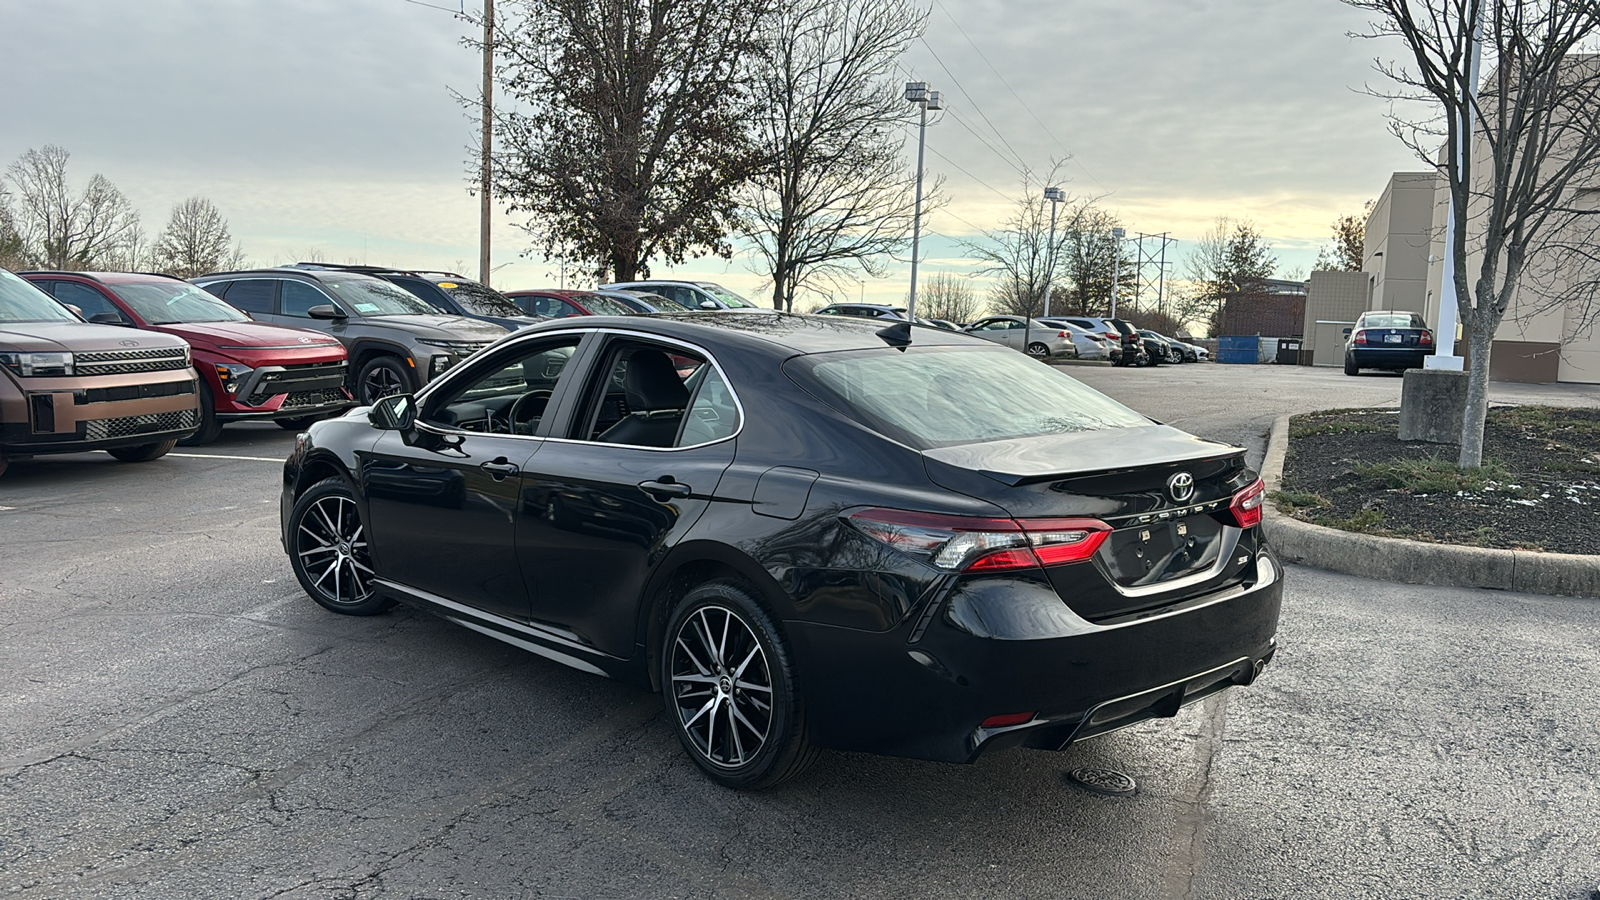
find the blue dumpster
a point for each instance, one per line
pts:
(1239, 350)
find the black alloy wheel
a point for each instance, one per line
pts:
(210, 428)
(329, 551)
(729, 688)
(143, 452)
(1038, 350)
(380, 377)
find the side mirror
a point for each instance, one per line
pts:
(326, 311)
(109, 318)
(396, 412)
(707, 304)
(1347, 332)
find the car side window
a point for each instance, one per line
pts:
(86, 298)
(296, 299)
(254, 295)
(506, 393)
(645, 394)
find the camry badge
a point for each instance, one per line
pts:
(305, 340)
(128, 343)
(1180, 487)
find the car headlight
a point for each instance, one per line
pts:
(232, 375)
(30, 365)
(456, 348)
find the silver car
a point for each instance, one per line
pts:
(1034, 338)
(1090, 344)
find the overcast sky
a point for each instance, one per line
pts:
(330, 127)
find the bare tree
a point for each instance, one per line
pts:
(61, 231)
(625, 138)
(834, 195)
(1347, 253)
(1229, 258)
(195, 241)
(12, 251)
(948, 296)
(1089, 254)
(1020, 253)
(1521, 197)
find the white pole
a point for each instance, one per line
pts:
(1116, 266)
(1050, 256)
(1444, 333)
(916, 218)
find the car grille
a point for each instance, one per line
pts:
(309, 378)
(132, 392)
(125, 362)
(311, 399)
(128, 426)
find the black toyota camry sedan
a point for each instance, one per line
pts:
(805, 532)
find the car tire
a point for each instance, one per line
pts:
(299, 423)
(722, 659)
(329, 552)
(1350, 367)
(143, 452)
(380, 377)
(3, 463)
(1038, 350)
(210, 429)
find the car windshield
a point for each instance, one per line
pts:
(1393, 320)
(729, 298)
(375, 297)
(22, 302)
(173, 303)
(480, 300)
(942, 396)
(601, 305)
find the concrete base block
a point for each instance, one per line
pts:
(1433, 403)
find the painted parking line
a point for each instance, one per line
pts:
(270, 459)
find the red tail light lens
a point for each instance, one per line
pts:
(1007, 720)
(1113, 336)
(1246, 505)
(1361, 337)
(1061, 334)
(1427, 339)
(971, 544)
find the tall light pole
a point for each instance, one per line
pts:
(917, 92)
(484, 205)
(1055, 196)
(1117, 234)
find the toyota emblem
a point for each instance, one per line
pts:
(128, 343)
(1180, 487)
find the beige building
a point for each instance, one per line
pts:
(1333, 301)
(1402, 266)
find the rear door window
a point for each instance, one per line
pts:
(254, 295)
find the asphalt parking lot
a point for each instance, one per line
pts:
(178, 720)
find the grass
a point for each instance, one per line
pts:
(1367, 521)
(1310, 429)
(1547, 420)
(1290, 501)
(1433, 475)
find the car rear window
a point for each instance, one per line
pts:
(1394, 320)
(943, 396)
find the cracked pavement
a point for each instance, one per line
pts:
(178, 720)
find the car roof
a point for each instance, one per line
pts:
(105, 277)
(769, 329)
(287, 271)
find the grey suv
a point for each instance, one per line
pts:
(397, 342)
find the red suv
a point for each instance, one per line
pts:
(248, 370)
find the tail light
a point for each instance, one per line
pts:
(1246, 506)
(1361, 337)
(1113, 336)
(1061, 334)
(1427, 338)
(971, 544)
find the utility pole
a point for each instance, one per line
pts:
(1161, 278)
(484, 205)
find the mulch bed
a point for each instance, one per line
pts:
(1539, 487)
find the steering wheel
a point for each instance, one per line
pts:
(511, 414)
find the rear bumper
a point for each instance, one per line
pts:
(1398, 358)
(926, 698)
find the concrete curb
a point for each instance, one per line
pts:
(1417, 562)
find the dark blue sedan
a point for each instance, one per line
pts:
(1387, 339)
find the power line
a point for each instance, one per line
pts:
(978, 108)
(1013, 92)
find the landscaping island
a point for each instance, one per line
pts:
(1538, 489)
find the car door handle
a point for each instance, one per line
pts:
(500, 468)
(665, 489)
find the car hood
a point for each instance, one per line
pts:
(1021, 460)
(80, 337)
(249, 335)
(459, 328)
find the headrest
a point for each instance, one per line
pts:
(651, 382)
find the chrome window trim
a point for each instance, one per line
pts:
(438, 383)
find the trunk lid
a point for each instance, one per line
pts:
(1164, 492)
